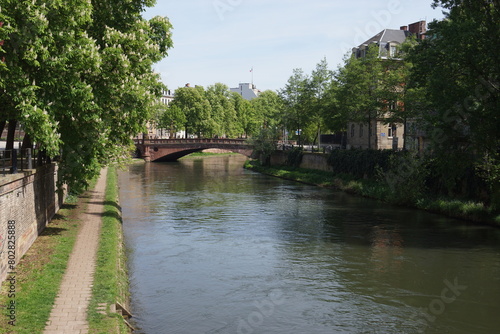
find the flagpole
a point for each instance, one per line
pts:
(252, 76)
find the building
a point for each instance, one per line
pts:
(247, 91)
(158, 133)
(388, 40)
(384, 135)
(167, 97)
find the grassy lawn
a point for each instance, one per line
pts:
(40, 271)
(110, 280)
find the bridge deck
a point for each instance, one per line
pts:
(173, 149)
(183, 141)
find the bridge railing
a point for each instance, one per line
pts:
(181, 141)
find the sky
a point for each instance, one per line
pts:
(223, 40)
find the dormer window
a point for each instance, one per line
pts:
(393, 50)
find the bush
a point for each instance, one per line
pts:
(294, 157)
(360, 163)
(405, 177)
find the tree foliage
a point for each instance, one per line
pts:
(216, 111)
(444, 89)
(268, 109)
(79, 77)
(171, 118)
(296, 96)
(196, 108)
(247, 120)
(458, 71)
(223, 114)
(361, 89)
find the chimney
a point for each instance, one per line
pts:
(405, 28)
(188, 85)
(419, 29)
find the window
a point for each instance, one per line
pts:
(392, 105)
(391, 132)
(393, 51)
(361, 130)
(352, 130)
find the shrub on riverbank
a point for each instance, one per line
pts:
(360, 163)
(294, 157)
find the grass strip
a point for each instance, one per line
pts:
(456, 208)
(110, 280)
(40, 271)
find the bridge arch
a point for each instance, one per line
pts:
(161, 150)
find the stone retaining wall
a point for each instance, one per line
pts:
(309, 160)
(28, 201)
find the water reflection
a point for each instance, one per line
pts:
(211, 244)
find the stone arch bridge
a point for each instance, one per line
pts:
(160, 150)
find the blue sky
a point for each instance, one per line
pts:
(222, 40)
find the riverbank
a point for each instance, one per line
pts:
(39, 273)
(465, 210)
(111, 285)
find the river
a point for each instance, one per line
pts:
(214, 248)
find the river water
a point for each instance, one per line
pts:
(214, 248)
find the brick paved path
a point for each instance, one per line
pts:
(69, 314)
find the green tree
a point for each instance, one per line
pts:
(268, 109)
(296, 97)
(334, 117)
(79, 77)
(196, 108)
(172, 118)
(247, 121)
(265, 143)
(321, 105)
(359, 89)
(223, 114)
(458, 70)
(403, 102)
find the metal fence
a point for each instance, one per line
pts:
(19, 160)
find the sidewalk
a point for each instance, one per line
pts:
(69, 314)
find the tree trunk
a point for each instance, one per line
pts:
(11, 134)
(369, 130)
(2, 126)
(26, 142)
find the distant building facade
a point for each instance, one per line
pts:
(167, 97)
(247, 90)
(159, 133)
(382, 134)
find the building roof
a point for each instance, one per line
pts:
(388, 35)
(392, 37)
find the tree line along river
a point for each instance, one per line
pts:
(214, 248)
